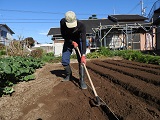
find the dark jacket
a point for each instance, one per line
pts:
(74, 34)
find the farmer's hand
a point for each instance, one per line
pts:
(74, 44)
(83, 59)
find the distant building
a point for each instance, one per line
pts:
(5, 34)
(46, 47)
(116, 32)
(124, 31)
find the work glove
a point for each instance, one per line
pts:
(83, 59)
(74, 44)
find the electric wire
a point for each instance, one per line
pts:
(43, 12)
(134, 8)
(31, 22)
(25, 11)
(36, 20)
(29, 19)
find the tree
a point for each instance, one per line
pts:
(29, 41)
(20, 37)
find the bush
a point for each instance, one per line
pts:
(15, 48)
(47, 57)
(51, 54)
(2, 47)
(2, 52)
(105, 51)
(94, 55)
(37, 53)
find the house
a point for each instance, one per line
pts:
(127, 32)
(57, 37)
(116, 32)
(5, 34)
(57, 41)
(154, 16)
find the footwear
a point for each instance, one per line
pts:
(68, 73)
(83, 85)
(81, 73)
(67, 78)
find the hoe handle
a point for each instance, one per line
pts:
(95, 93)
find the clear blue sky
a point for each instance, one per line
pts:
(34, 18)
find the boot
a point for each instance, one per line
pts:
(68, 73)
(82, 83)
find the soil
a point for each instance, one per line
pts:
(128, 90)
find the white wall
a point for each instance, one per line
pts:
(46, 47)
(58, 49)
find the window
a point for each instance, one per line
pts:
(4, 34)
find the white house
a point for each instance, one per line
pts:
(5, 34)
(58, 41)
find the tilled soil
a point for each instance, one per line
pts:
(130, 90)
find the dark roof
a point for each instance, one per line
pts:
(54, 31)
(95, 23)
(7, 28)
(126, 18)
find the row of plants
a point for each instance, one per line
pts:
(132, 55)
(17, 69)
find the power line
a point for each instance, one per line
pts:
(31, 22)
(29, 19)
(24, 11)
(43, 12)
(134, 8)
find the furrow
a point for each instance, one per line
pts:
(141, 64)
(147, 77)
(141, 68)
(133, 85)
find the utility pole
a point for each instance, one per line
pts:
(114, 11)
(142, 8)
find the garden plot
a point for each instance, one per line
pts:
(130, 89)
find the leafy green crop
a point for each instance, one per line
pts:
(16, 69)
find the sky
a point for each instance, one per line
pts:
(34, 18)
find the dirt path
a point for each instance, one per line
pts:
(130, 89)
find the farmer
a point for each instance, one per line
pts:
(74, 33)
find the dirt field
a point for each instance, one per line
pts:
(130, 90)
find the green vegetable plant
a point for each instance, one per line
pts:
(16, 69)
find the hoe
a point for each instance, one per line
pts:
(98, 103)
(98, 99)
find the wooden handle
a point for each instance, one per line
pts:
(95, 93)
